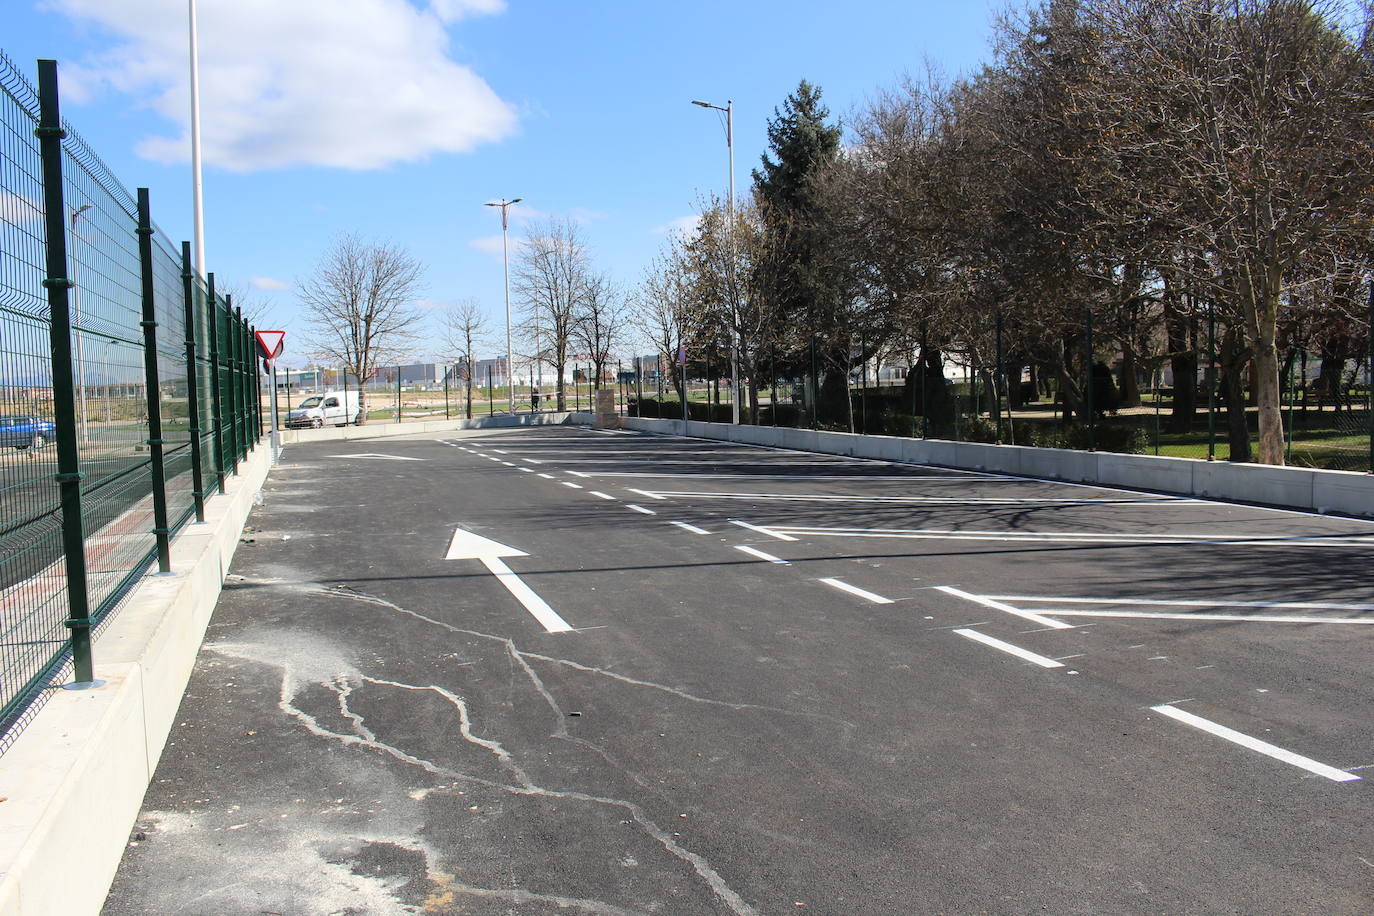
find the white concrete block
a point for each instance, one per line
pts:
(1059, 464)
(1254, 483)
(1146, 472)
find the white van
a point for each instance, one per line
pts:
(336, 408)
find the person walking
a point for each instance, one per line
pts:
(534, 401)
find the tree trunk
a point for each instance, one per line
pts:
(558, 368)
(1130, 381)
(1234, 356)
(1266, 375)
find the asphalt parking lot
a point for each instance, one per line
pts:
(568, 670)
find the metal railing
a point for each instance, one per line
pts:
(125, 395)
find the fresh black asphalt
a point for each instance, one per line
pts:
(373, 728)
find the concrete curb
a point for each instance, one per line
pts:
(419, 427)
(74, 781)
(1345, 492)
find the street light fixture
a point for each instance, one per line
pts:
(729, 110)
(505, 206)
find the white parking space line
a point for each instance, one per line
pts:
(500, 451)
(646, 493)
(915, 500)
(745, 548)
(692, 528)
(640, 509)
(761, 530)
(1168, 602)
(570, 484)
(547, 476)
(1005, 608)
(527, 470)
(855, 590)
(1254, 744)
(508, 464)
(531, 461)
(537, 607)
(1235, 618)
(1008, 648)
(601, 495)
(579, 474)
(1080, 537)
(923, 479)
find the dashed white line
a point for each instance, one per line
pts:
(569, 483)
(1254, 744)
(646, 493)
(640, 509)
(547, 476)
(578, 474)
(601, 495)
(855, 590)
(1008, 648)
(692, 528)
(753, 552)
(528, 470)
(508, 464)
(1006, 608)
(761, 530)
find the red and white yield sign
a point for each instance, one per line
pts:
(271, 343)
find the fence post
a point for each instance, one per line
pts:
(1369, 329)
(257, 381)
(1211, 376)
(216, 357)
(188, 293)
(231, 350)
(152, 385)
(251, 400)
(1092, 414)
(925, 396)
(68, 477)
(446, 368)
(999, 377)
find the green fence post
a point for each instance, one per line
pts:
(1211, 377)
(152, 385)
(231, 372)
(925, 397)
(50, 135)
(1369, 329)
(1092, 414)
(999, 377)
(1292, 396)
(188, 294)
(257, 381)
(251, 401)
(212, 316)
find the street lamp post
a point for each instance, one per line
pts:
(505, 206)
(729, 110)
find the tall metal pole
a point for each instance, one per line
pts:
(505, 205)
(198, 203)
(729, 110)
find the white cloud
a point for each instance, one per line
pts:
(683, 225)
(18, 210)
(267, 283)
(354, 84)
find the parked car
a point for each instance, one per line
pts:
(25, 431)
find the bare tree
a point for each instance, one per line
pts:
(658, 308)
(465, 328)
(600, 323)
(551, 278)
(360, 300)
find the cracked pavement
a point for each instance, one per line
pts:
(373, 728)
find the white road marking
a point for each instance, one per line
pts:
(915, 500)
(373, 457)
(537, 607)
(761, 530)
(855, 590)
(500, 451)
(602, 495)
(531, 461)
(1161, 602)
(640, 509)
(528, 470)
(1007, 608)
(547, 476)
(569, 483)
(468, 546)
(1242, 618)
(646, 493)
(922, 478)
(508, 464)
(1078, 537)
(692, 528)
(1254, 744)
(1008, 648)
(760, 554)
(579, 474)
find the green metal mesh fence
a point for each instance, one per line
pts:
(109, 441)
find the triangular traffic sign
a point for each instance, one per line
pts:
(271, 343)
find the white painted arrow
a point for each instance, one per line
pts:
(468, 546)
(377, 457)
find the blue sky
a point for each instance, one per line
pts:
(397, 119)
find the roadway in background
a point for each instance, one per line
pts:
(712, 678)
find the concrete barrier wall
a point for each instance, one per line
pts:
(74, 780)
(414, 427)
(1296, 488)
